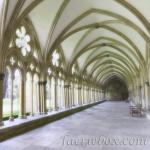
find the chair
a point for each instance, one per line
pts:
(136, 109)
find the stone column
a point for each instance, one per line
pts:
(90, 94)
(147, 95)
(12, 98)
(56, 95)
(67, 96)
(44, 97)
(82, 95)
(50, 109)
(97, 98)
(63, 95)
(73, 94)
(70, 97)
(79, 96)
(22, 114)
(60, 97)
(87, 95)
(32, 82)
(140, 94)
(76, 95)
(93, 95)
(39, 98)
(1, 98)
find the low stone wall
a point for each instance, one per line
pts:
(27, 126)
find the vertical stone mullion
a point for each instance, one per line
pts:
(1, 98)
(56, 95)
(147, 95)
(32, 113)
(39, 97)
(79, 95)
(44, 97)
(73, 94)
(23, 97)
(49, 95)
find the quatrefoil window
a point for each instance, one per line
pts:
(49, 71)
(22, 40)
(55, 58)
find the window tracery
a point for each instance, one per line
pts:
(55, 58)
(22, 40)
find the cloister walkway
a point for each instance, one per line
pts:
(107, 126)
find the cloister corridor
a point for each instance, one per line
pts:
(108, 120)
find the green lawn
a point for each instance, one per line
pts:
(6, 107)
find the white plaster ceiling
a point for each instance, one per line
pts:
(44, 14)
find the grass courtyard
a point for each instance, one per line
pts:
(6, 107)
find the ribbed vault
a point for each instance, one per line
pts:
(104, 38)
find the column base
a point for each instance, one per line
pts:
(56, 109)
(1, 123)
(50, 110)
(39, 113)
(22, 117)
(11, 119)
(31, 115)
(43, 113)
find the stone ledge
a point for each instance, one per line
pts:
(6, 133)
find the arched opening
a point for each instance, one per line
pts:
(16, 92)
(7, 93)
(116, 89)
(28, 93)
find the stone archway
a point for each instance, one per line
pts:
(116, 89)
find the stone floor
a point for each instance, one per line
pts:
(107, 126)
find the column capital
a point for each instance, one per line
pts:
(147, 83)
(87, 89)
(42, 82)
(39, 82)
(79, 88)
(67, 86)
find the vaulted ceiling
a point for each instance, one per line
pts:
(105, 37)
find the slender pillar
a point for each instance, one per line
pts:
(56, 95)
(67, 96)
(83, 97)
(63, 95)
(60, 95)
(147, 95)
(32, 111)
(76, 95)
(23, 97)
(12, 98)
(1, 98)
(140, 94)
(50, 109)
(87, 95)
(93, 95)
(79, 96)
(44, 97)
(70, 96)
(39, 98)
(73, 94)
